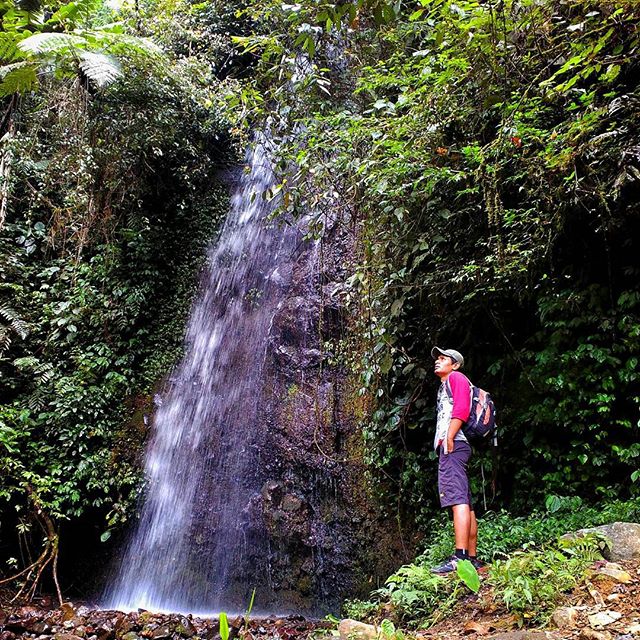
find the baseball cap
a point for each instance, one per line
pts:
(456, 356)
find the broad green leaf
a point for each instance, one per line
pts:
(468, 574)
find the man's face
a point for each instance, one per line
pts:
(444, 366)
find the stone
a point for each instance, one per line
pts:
(604, 618)
(615, 572)
(592, 634)
(7, 635)
(354, 630)
(66, 636)
(185, 628)
(130, 635)
(624, 539)
(68, 611)
(163, 631)
(565, 617)
(523, 634)
(633, 629)
(291, 502)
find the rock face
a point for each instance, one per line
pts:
(623, 536)
(326, 539)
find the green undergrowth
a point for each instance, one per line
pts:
(530, 568)
(500, 533)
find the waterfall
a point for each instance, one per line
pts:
(199, 545)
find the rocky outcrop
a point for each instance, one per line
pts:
(327, 540)
(623, 537)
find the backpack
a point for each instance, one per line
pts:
(480, 427)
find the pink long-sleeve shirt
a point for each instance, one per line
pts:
(452, 403)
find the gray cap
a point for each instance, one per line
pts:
(456, 356)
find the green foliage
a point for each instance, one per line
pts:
(416, 595)
(530, 583)
(485, 153)
(501, 533)
(469, 575)
(111, 199)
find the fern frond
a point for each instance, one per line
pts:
(21, 79)
(15, 322)
(115, 41)
(48, 43)
(100, 68)
(5, 339)
(26, 363)
(8, 45)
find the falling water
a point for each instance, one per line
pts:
(199, 545)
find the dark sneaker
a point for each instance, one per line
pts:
(478, 564)
(447, 566)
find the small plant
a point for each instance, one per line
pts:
(224, 626)
(468, 574)
(530, 582)
(249, 609)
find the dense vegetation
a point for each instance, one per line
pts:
(488, 153)
(485, 152)
(109, 199)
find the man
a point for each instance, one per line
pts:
(454, 404)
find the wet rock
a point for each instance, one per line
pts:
(7, 635)
(624, 538)
(592, 634)
(40, 628)
(185, 628)
(68, 611)
(291, 502)
(354, 630)
(565, 617)
(130, 635)
(161, 632)
(66, 636)
(272, 492)
(604, 618)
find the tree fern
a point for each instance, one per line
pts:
(51, 43)
(101, 69)
(18, 77)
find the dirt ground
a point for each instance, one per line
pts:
(605, 608)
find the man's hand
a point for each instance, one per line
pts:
(454, 427)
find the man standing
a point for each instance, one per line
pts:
(454, 451)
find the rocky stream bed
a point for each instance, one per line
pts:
(83, 623)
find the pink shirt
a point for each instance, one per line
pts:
(454, 401)
(461, 391)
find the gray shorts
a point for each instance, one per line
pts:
(453, 482)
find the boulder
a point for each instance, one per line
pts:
(591, 634)
(603, 618)
(615, 572)
(624, 538)
(354, 630)
(565, 617)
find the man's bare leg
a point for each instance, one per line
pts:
(473, 535)
(462, 525)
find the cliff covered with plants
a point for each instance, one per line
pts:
(488, 153)
(111, 150)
